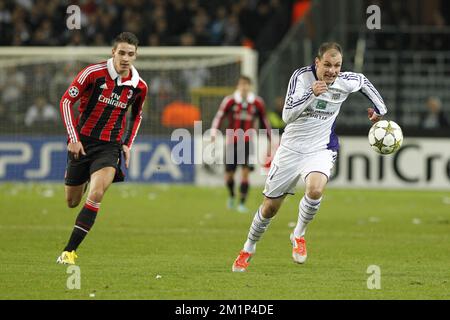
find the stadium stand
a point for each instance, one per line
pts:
(407, 59)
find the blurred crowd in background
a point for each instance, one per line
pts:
(260, 24)
(414, 25)
(257, 23)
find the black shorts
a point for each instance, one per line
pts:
(99, 154)
(238, 154)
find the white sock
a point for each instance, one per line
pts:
(257, 229)
(306, 212)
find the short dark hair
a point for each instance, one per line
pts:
(324, 47)
(245, 78)
(127, 37)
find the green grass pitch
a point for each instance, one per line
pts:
(178, 242)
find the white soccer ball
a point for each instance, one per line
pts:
(385, 137)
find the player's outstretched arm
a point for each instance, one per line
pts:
(357, 82)
(379, 107)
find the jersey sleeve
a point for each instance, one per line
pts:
(373, 95)
(76, 89)
(225, 106)
(298, 96)
(358, 82)
(263, 116)
(136, 117)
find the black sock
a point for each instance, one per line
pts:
(83, 224)
(230, 185)
(244, 191)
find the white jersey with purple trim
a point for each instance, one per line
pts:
(310, 120)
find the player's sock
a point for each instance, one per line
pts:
(244, 191)
(307, 209)
(230, 186)
(83, 224)
(257, 229)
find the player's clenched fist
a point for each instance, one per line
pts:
(373, 116)
(319, 87)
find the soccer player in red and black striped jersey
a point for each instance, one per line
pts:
(98, 136)
(242, 109)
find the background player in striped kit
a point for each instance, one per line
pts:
(309, 144)
(97, 137)
(241, 109)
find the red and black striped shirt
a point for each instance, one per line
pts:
(104, 101)
(241, 114)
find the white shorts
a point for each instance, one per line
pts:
(288, 166)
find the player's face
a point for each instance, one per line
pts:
(124, 55)
(329, 66)
(243, 87)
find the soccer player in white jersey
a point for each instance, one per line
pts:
(309, 144)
